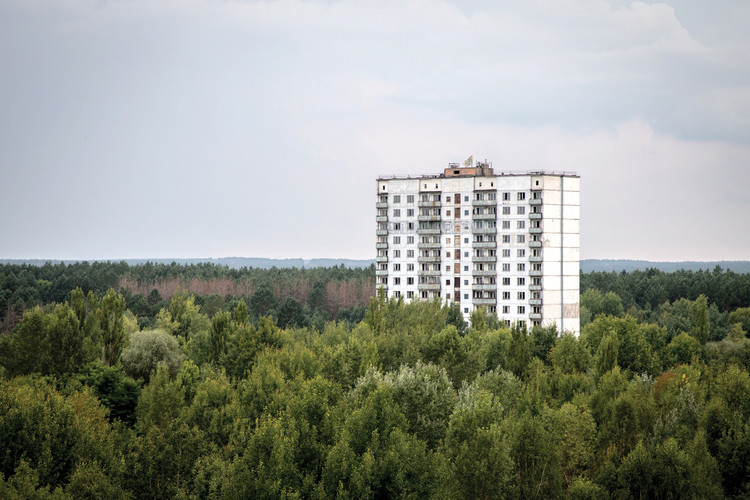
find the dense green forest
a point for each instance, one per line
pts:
(111, 390)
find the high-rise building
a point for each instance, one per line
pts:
(506, 242)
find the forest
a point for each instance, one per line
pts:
(159, 381)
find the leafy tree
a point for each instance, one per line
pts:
(110, 314)
(220, 326)
(148, 350)
(117, 392)
(519, 351)
(477, 449)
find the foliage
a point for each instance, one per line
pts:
(396, 399)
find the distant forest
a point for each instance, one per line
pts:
(314, 295)
(201, 381)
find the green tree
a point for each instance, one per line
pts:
(477, 449)
(110, 314)
(148, 350)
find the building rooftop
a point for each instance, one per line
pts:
(480, 169)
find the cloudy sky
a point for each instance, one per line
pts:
(208, 128)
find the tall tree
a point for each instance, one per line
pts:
(110, 312)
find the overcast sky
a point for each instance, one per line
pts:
(207, 128)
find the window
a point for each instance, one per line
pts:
(506, 295)
(506, 268)
(521, 309)
(397, 240)
(521, 295)
(506, 252)
(397, 226)
(409, 198)
(466, 198)
(410, 267)
(506, 238)
(521, 266)
(447, 282)
(521, 224)
(521, 210)
(410, 254)
(410, 212)
(506, 309)
(447, 213)
(396, 198)
(466, 282)
(521, 196)
(410, 226)
(396, 267)
(410, 240)
(521, 238)
(466, 213)
(506, 281)
(521, 281)
(506, 224)
(466, 295)
(466, 254)
(447, 254)
(396, 281)
(466, 268)
(409, 281)
(396, 212)
(409, 294)
(506, 210)
(521, 252)
(506, 196)
(397, 254)
(466, 309)
(466, 240)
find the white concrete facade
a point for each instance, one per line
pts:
(508, 242)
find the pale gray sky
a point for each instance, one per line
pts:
(205, 128)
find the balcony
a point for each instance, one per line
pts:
(428, 259)
(485, 203)
(381, 245)
(484, 302)
(381, 272)
(431, 272)
(492, 258)
(535, 244)
(535, 216)
(535, 316)
(535, 302)
(429, 204)
(428, 286)
(485, 244)
(535, 258)
(535, 201)
(429, 218)
(485, 272)
(484, 286)
(381, 218)
(535, 274)
(381, 258)
(421, 245)
(535, 230)
(435, 230)
(484, 230)
(484, 216)
(535, 288)
(381, 204)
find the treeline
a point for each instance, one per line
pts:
(651, 288)
(324, 293)
(410, 402)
